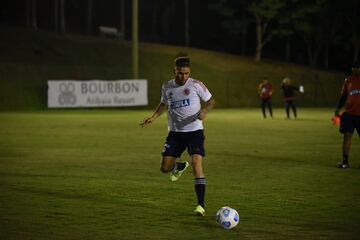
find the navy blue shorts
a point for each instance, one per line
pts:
(177, 142)
(349, 122)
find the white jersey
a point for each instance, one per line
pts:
(184, 104)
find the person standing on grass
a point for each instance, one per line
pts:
(289, 96)
(265, 91)
(182, 98)
(350, 119)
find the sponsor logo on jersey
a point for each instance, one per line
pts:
(180, 104)
(355, 91)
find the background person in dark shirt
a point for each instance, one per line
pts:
(289, 96)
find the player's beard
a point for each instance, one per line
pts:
(180, 81)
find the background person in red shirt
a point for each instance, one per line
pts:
(350, 119)
(265, 91)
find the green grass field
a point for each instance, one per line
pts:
(94, 174)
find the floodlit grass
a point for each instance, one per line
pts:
(88, 174)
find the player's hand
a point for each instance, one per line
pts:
(202, 115)
(335, 120)
(146, 121)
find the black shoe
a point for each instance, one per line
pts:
(343, 165)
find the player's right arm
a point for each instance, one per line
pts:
(259, 89)
(342, 99)
(160, 109)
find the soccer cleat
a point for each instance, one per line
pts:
(199, 211)
(343, 165)
(175, 174)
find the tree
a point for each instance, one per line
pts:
(166, 16)
(264, 12)
(235, 16)
(122, 18)
(31, 16)
(89, 17)
(311, 28)
(56, 15)
(285, 28)
(187, 16)
(62, 17)
(154, 21)
(331, 22)
(353, 21)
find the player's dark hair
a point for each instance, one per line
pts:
(182, 60)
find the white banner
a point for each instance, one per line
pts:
(97, 93)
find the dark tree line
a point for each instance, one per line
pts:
(323, 32)
(319, 24)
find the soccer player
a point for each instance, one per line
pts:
(350, 119)
(182, 98)
(265, 91)
(289, 96)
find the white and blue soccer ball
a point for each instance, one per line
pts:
(227, 217)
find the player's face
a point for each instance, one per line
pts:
(182, 74)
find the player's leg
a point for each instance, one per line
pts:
(270, 108)
(293, 106)
(287, 108)
(263, 108)
(167, 164)
(196, 162)
(347, 128)
(173, 148)
(197, 152)
(199, 183)
(346, 149)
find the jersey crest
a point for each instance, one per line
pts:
(186, 91)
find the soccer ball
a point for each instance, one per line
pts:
(227, 217)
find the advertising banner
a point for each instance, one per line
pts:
(97, 93)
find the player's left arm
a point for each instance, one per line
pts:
(206, 109)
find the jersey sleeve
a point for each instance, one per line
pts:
(163, 95)
(295, 88)
(202, 91)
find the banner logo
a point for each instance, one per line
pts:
(97, 93)
(67, 95)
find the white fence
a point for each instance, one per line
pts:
(97, 93)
